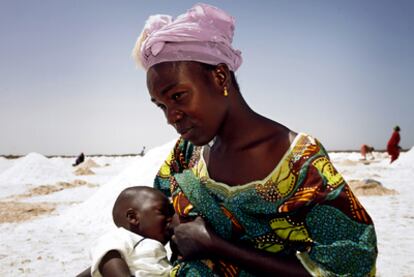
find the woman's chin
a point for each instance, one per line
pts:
(198, 141)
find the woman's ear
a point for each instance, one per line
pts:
(221, 75)
(132, 217)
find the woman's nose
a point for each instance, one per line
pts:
(174, 116)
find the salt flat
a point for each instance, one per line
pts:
(55, 241)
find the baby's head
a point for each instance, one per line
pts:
(144, 211)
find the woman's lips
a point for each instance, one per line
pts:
(184, 132)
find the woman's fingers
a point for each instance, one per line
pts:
(200, 220)
(192, 238)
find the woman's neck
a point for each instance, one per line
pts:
(242, 127)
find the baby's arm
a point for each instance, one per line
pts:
(108, 254)
(112, 264)
(85, 273)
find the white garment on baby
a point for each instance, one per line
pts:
(145, 257)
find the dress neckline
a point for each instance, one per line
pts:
(262, 181)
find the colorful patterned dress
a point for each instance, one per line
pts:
(303, 207)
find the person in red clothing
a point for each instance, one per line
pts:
(393, 147)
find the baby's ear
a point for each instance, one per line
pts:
(132, 216)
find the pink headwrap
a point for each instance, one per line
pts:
(203, 34)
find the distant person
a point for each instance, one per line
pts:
(142, 152)
(366, 149)
(393, 147)
(136, 248)
(80, 159)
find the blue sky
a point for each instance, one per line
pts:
(342, 71)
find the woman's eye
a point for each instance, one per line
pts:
(161, 106)
(177, 95)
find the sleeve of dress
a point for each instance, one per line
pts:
(177, 161)
(342, 233)
(162, 179)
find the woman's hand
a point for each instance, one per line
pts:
(193, 239)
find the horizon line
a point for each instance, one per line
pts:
(15, 156)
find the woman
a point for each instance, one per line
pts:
(252, 196)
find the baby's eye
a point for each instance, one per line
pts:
(162, 212)
(171, 210)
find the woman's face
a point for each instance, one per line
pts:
(191, 98)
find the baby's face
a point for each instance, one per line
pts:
(155, 219)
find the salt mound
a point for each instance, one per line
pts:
(5, 164)
(406, 159)
(85, 168)
(369, 187)
(83, 171)
(97, 210)
(34, 169)
(89, 163)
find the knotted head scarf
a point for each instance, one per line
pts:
(204, 34)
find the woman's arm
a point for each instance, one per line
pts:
(195, 241)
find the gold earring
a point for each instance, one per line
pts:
(226, 93)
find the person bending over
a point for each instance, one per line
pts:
(136, 248)
(365, 150)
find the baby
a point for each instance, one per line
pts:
(143, 216)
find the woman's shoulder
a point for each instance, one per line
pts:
(305, 144)
(303, 138)
(284, 140)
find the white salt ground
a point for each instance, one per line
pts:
(57, 245)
